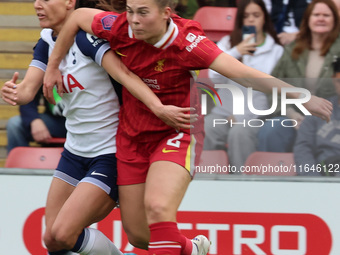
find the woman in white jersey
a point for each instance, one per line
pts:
(83, 190)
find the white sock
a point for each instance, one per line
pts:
(194, 249)
(96, 243)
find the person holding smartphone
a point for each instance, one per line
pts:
(253, 42)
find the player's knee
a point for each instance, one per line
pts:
(137, 232)
(48, 240)
(138, 240)
(50, 243)
(64, 237)
(157, 211)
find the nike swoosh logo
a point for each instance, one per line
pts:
(95, 173)
(167, 151)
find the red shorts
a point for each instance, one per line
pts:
(135, 158)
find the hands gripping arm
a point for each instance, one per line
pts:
(173, 116)
(79, 19)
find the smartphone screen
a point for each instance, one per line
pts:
(248, 30)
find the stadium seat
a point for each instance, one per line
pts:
(34, 157)
(216, 21)
(212, 164)
(57, 140)
(271, 163)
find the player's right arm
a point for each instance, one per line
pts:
(173, 116)
(79, 19)
(25, 91)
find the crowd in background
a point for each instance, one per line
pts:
(296, 41)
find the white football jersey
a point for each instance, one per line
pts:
(91, 103)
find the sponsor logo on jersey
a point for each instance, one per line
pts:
(152, 83)
(191, 37)
(195, 40)
(160, 65)
(94, 40)
(108, 20)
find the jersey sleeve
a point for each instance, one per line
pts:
(40, 55)
(199, 51)
(92, 46)
(29, 112)
(102, 24)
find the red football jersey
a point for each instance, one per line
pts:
(165, 67)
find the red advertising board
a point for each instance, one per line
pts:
(230, 233)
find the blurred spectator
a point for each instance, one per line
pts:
(266, 50)
(188, 8)
(221, 3)
(317, 147)
(337, 3)
(34, 126)
(287, 16)
(308, 64)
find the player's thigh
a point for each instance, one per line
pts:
(86, 205)
(131, 204)
(58, 193)
(165, 188)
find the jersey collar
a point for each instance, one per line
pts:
(167, 38)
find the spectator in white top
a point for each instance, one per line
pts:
(266, 49)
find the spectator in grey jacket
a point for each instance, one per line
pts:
(306, 63)
(317, 147)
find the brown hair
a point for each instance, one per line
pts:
(106, 5)
(167, 3)
(268, 26)
(304, 38)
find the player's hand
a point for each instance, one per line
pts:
(320, 107)
(52, 77)
(9, 90)
(177, 117)
(39, 131)
(298, 117)
(245, 47)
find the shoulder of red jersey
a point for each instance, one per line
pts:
(104, 22)
(190, 33)
(107, 19)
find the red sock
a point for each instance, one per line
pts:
(165, 239)
(186, 245)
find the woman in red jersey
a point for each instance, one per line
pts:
(155, 161)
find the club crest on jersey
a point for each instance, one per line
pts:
(160, 65)
(108, 20)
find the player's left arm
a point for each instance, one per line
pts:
(250, 77)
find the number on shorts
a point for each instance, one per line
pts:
(174, 141)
